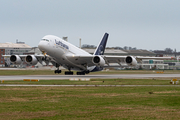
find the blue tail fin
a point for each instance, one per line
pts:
(102, 45)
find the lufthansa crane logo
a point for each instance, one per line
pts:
(61, 44)
(100, 51)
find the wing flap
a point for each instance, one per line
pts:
(140, 58)
(155, 58)
(115, 59)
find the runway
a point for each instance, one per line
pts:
(61, 77)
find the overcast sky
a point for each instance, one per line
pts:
(145, 24)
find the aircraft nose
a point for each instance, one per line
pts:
(41, 46)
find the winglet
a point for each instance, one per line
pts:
(102, 45)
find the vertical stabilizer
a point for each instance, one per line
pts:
(102, 45)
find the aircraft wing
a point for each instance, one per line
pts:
(140, 58)
(85, 60)
(124, 59)
(7, 56)
(38, 57)
(88, 60)
(23, 56)
(32, 59)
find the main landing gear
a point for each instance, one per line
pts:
(68, 73)
(57, 71)
(80, 73)
(71, 73)
(83, 72)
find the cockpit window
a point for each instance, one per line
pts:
(45, 40)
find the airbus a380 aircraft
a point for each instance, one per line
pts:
(62, 53)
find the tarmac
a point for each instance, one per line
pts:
(62, 77)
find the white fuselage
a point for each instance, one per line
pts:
(58, 49)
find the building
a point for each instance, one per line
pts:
(2, 52)
(173, 64)
(18, 48)
(34, 51)
(153, 64)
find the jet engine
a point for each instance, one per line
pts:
(130, 60)
(15, 59)
(31, 60)
(98, 60)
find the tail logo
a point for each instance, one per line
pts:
(101, 50)
(102, 45)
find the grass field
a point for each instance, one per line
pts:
(95, 82)
(51, 72)
(47, 103)
(90, 102)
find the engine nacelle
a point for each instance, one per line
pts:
(15, 59)
(31, 60)
(130, 60)
(98, 61)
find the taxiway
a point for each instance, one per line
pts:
(61, 77)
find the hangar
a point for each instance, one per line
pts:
(18, 48)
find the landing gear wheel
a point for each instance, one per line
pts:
(57, 71)
(80, 73)
(68, 73)
(87, 72)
